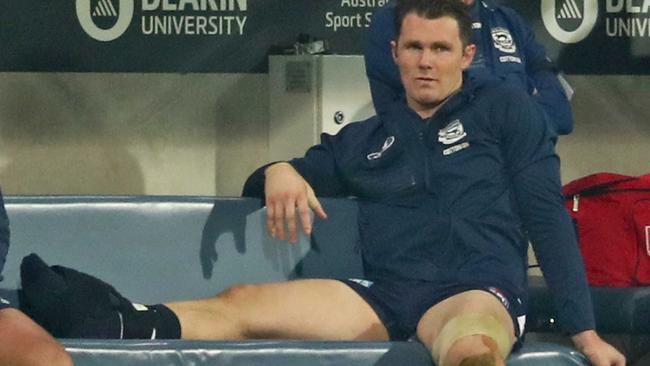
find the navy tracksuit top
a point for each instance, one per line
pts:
(455, 198)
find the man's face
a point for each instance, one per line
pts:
(431, 59)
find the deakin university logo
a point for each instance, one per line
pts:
(568, 22)
(89, 11)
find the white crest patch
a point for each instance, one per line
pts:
(510, 59)
(455, 148)
(452, 133)
(503, 40)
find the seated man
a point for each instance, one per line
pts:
(23, 342)
(448, 186)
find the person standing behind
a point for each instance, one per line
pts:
(22, 341)
(506, 49)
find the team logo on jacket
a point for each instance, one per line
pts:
(503, 40)
(387, 144)
(452, 133)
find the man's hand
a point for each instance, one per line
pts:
(599, 352)
(286, 190)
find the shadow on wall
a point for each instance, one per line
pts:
(53, 140)
(237, 228)
(241, 135)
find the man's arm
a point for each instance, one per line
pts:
(549, 92)
(553, 238)
(289, 198)
(289, 189)
(535, 175)
(599, 352)
(383, 76)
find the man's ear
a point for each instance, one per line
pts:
(468, 56)
(393, 50)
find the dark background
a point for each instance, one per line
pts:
(41, 35)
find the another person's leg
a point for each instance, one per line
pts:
(24, 343)
(470, 328)
(301, 309)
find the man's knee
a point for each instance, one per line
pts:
(483, 359)
(238, 293)
(46, 353)
(58, 357)
(472, 339)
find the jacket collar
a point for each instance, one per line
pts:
(487, 4)
(467, 93)
(400, 120)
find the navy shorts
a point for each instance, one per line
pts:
(4, 304)
(400, 304)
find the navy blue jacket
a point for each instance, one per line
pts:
(454, 199)
(516, 58)
(4, 233)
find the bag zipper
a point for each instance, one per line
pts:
(640, 252)
(647, 240)
(597, 192)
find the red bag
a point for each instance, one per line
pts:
(612, 217)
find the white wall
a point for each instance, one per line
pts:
(612, 127)
(202, 134)
(130, 133)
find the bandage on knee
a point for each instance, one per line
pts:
(469, 325)
(486, 359)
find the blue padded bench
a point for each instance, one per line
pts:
(288, 353)
(156, 249)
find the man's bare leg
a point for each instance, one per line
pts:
(301, 309)
(472, 349)
(24, 343)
